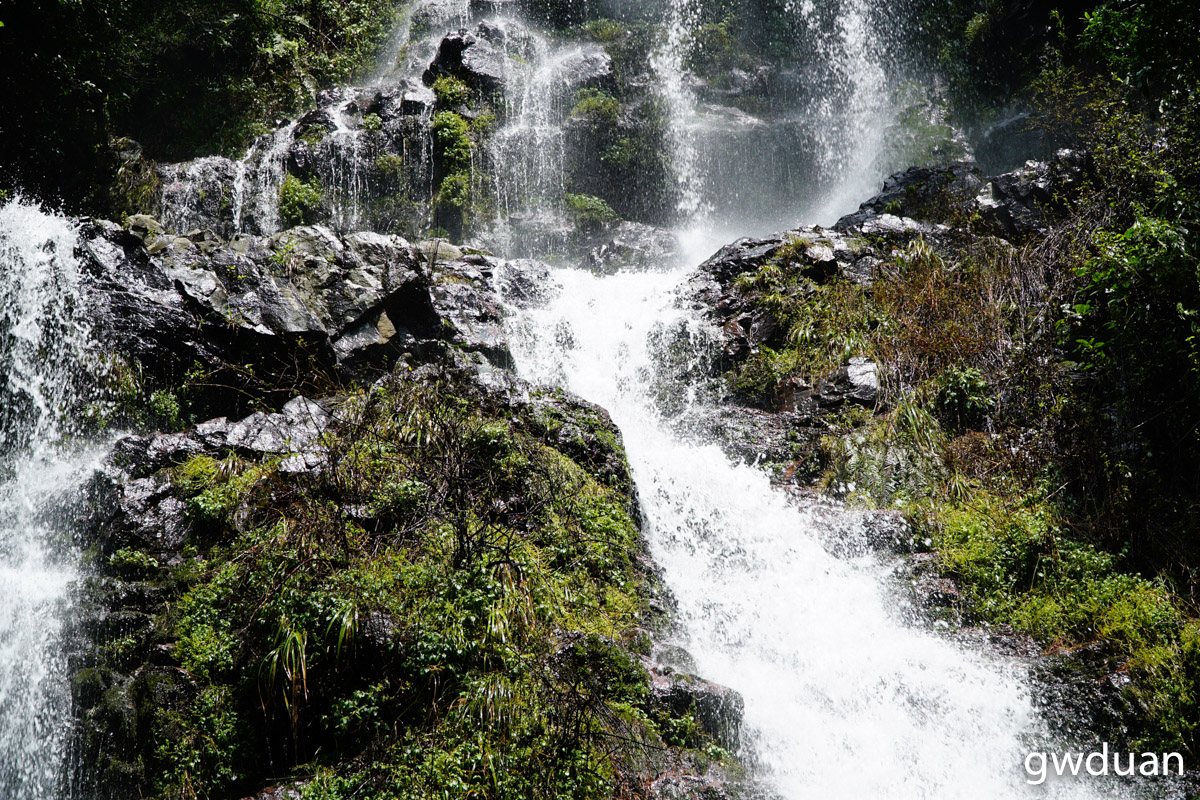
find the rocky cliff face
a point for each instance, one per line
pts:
(363, 423)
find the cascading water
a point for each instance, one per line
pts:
(826, 136)
(231, 196)
(42, 358)
(843, 699)
(527, 155)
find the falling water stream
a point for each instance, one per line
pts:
(42, 346)
(844, 699)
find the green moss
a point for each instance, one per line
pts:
(452, 140)
(595, 106)
(390, 165)
(313, 135)
(455, 190)
(447, 603)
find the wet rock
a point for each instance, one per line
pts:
(144, 512)
(1019, 204)
(916, 193)
(1012, 142)
(717, 709)
(583, 431)
(676, 786)
(471, 59)
(857, 383)
(435, 250)
(1083, 689)
(589, 64)
(306, 299)
(144, 515)
(196, 190)
(525, 283)
(631, 245)
(463, 298)
(144, 227)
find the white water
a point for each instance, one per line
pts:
(814, 156)
(42, 346)
(843, 698)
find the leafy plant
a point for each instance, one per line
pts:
(596, 105)
(451, 91)
(590, 213)
(299, 201)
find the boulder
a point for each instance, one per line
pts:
(472, 59)
(588, 65)
(917, 192)
(264, 314)
(631, 245)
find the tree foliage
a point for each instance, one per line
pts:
(183, 79)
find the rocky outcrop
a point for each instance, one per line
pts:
(472, 59)
(630, 245)
(716, 709)
(270, 314)
(1015, 205)
(914, 204)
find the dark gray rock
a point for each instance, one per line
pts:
(918, 193)
(717, 709)
(282, 307)
(1021, 203)
(1012, 142)
(588, 65)
(632, 245)
(471, 59)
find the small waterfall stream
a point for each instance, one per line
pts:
(43, 343)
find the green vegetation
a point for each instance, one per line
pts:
(589, 213)
(596, 106)
(446, 604)
(372, 123)
(390, 165)
(183, 79)
(1040, 426)
(452, 141)
(451, 91)
(453, 148)
(299, 201)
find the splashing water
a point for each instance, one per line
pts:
(843, 699)
(42, 356)
(821, 147)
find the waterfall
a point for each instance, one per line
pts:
(43, 341)
(823, 144)
(844, 699)
(527, 155)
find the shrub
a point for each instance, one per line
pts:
(596, 105)
(590, 213)
(452, 141)
(451, 91)
(299, 201)
(963, 396)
